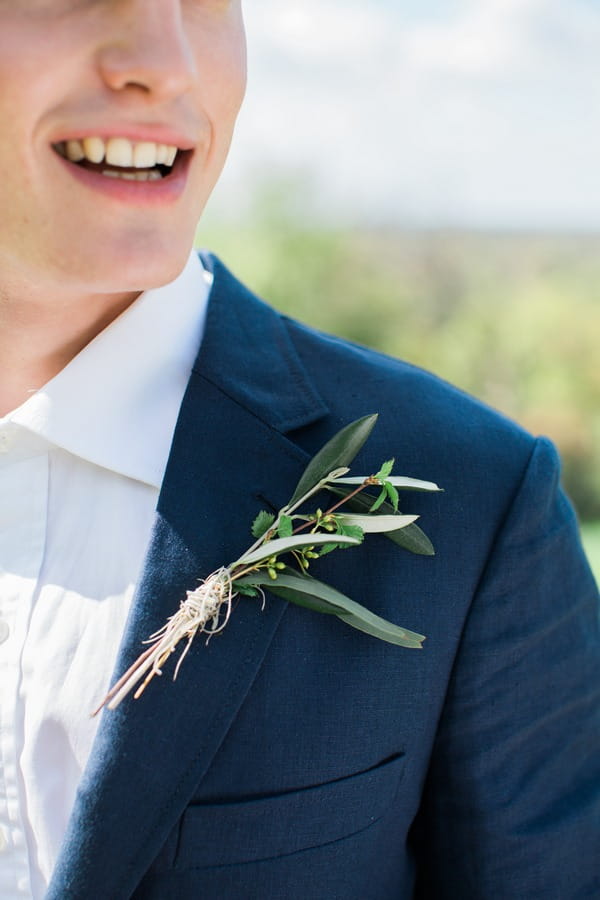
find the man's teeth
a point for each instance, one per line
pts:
(152, 175)
(118, 151)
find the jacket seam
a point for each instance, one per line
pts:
(481, 579)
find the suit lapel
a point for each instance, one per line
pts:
(228, 453)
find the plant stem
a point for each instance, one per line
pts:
(366, 483)
(285, 511)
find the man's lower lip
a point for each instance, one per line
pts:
(165, 191)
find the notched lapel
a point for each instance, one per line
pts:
(150, 754)
(247, 352)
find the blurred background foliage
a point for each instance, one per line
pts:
(513, 318)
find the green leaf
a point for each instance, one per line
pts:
(307, 591)
(246, 589)
(286, 527)
(384, 630)
(328, 548)
(413, 539)
(385, 470)
(379, 501)
(400, 481)
(306, 600)
(285, 545)
(337, 453)
(286, 589)
(410, 538)
(347, 530)
(262, 523)
(377, 524)
(350, 529)
(392, 494)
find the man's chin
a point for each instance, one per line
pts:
(149, 280)
(142, 269)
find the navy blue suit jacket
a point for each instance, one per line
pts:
(297, 758)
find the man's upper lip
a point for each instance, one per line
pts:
(157, 134)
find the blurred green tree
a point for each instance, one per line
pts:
(511, 318)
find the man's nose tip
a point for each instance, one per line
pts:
(156, 59)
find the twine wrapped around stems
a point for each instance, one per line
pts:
(205, 610)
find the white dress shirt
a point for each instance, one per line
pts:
(81, 463)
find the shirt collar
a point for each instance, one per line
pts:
(116, 403)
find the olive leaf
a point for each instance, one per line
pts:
(208, 607)
(286, 545)
(400, 481)
(411, 538)
(378, 524)
(336, 454)
(305, 590)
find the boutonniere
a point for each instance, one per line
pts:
(285, 546)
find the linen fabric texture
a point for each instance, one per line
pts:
(295, 757)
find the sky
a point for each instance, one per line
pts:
(426, 113)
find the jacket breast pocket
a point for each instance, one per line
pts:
(277, 825)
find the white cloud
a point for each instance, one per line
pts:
(489, 114)
(497, 37)
(481, 40)
(317, 32)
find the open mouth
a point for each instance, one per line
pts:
(118, 157)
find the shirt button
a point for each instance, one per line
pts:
(4, 631)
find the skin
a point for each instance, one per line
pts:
(72, 259)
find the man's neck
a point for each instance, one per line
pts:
(39, 336)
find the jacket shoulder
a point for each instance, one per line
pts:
(434, 422)
(435, 431)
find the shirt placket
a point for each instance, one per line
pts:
(23, 516)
